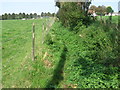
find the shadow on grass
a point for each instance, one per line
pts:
(91, 67)
(58, 72)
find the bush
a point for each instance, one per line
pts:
(70, 13)
(88, 52)
(48, 39)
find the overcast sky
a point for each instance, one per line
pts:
(38, 6)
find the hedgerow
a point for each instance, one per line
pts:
(91, 58)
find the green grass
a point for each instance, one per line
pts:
(73, 58)
(16, 40)
(18, 70)
(114, 18)
(80, 64)
(0, 54)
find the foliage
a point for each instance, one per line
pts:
(93, 7)
(86, 59)
(48, 14)
(25, 16)
(70, 13)
(109, 10)
(102, 10)
(48, 39)
(92, 57)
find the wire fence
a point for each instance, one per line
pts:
(46, 26)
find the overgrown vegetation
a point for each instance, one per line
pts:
(78, 52)
(92, 57)
(18, 69)
(86, 57)
(102, 10)
(71, 13)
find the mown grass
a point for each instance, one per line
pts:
(16, 40)
(18, 69)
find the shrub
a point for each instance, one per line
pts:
(70, 13)
(90, 56)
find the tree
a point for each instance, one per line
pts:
(93, 7)
(9, 16)
(35, 15)
(42, 14)
(23, 15)
(101, 10)
(20, 15)
(48, 14)
(45, 14)
(31, 15)
(70, 13)
(16, 16)
(38, 16)
(13, 15)
(53, 14)
(109, 10)
(5, 16)
(26, 16)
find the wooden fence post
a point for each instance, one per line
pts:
(33, 42)
(43, 27)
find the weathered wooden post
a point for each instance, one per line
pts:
(43, 30)
(33, 42)
(43, 27)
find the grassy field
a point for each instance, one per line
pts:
(65, 59)
(16, 40)
(18, 70)
(114, 18)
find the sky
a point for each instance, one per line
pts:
(38, 6)
(112, 3)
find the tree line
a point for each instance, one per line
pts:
(47, 14)
(8, 16)
(102, 10)
(73, 14)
